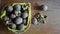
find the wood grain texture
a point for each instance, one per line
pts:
(53, 13)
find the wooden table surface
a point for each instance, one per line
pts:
(53, 13)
